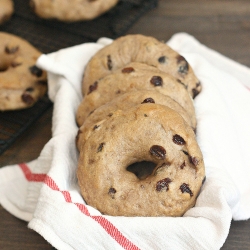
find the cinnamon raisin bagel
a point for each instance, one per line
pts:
(141, 162)
(73, 10)
(6, 10)
(22, 83)
(144, 49)
(124, 102)
(135, 76)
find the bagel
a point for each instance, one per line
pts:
(71, 11)
(22, 83)
(144, 161)
(144, 49)
(124, 102)
(135, 76)
(6, 10)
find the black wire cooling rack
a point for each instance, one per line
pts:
(52, 35)
(14, 123)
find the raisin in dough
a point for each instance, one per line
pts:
(71, 10)
(122, 103)
(141, 162)
(135, 76)
(21, 82)
(6, 10)
(144, 49)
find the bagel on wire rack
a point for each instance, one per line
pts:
(138, 153)
(71, 11)
(6, 10)
(22, 83)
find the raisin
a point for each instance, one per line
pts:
(42, 82)
(163, 185)
(198, 84)
(162, 59)
(96, 127)
(158, 152)
(195, 92)
(99, 149)
(128, 70)
(27, 98)
(109, 62)
(177, 139)
(183, 65)
(148, 100)
(183, 165)
(193, 160)
(12, 50)
(112, 192)
(110, 114)
(15, 64)
(185, 189)
(185, 152)
(36, 71)
(30, 89)
(156, 81)
(93, 87)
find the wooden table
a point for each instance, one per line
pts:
(223, 25)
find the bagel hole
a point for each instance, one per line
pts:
(142, 169)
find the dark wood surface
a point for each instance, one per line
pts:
(223, 25)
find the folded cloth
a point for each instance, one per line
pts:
(45, 193)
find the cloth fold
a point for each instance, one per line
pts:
(45, 193)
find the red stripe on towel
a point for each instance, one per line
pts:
(30, 176)
(248, 88)
(115, 233)
(51, 183)
(102, 221)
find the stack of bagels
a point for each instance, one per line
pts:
(138, 154)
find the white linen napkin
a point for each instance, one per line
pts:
(45, 193)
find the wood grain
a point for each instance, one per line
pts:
(223, 25)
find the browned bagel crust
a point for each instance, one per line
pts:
(112, 173)
(144, 49)
(135, 76)
(73, 10)
(22, 84)
(6, 10)
(122, 103)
